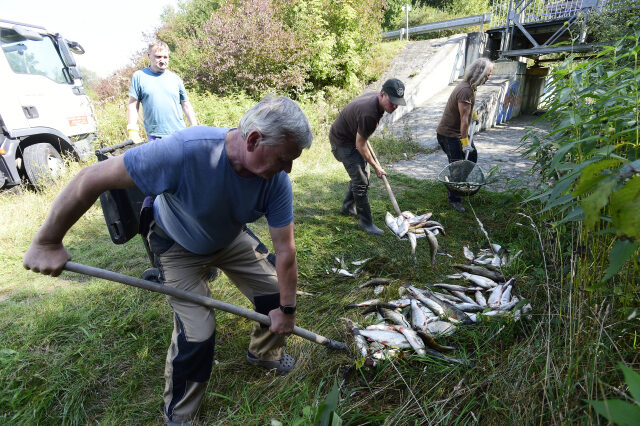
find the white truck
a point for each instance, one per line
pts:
(45, 113)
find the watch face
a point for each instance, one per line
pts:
(288, 309)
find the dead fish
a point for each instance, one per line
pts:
(408, 215)
(395, 317)
(400, 303)
(430, 223)
(386, 337)
(390, 221)
(414, 340)
(431, 304)
(365, 303)
(304, 293)
(433, 230)
(414, 243)
(480, 299)
(433, 244)
(376, 306)
(360, 341)
(506, 295)
(378, 289)
(497, 249)
(460, 295)
(496, 261)
(479, 270)
(454, 287)
(448, 309)
(510, 305)
(386, 354)
(375, 282)
(423, 218)
(454, 276)
(495, 296)
(403, 226)
(440, 328)
(436, 229)
(479, 280)
(431, 342)
(468, 253)
(361, 262)
(342, 272)
(469, 307)
(448, 358)
(418, 317)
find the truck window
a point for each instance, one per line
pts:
(32, 57)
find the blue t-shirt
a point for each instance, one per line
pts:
(161, 96)
(202, 203)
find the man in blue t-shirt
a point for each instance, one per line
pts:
(162, 95)
(208, 182)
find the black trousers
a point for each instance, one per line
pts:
(356, 166)
(453, 148)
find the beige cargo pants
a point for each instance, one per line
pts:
(190, 355)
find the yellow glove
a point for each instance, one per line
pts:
(132, 132)
(474, 115)
(465, 143)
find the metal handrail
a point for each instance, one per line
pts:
(450, 24)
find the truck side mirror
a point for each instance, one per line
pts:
(67, 56)
(75, 47)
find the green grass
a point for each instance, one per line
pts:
(77, 350)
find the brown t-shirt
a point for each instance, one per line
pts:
(450, 122)
(362, 115)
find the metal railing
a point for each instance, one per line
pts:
(534, 11)
(469, 21)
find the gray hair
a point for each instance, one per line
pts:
(159, 45)
(277, 119)
(477, 72)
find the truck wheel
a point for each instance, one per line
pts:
(42, 163)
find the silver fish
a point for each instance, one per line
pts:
(414, 243)
(433, 244)
(440, 328)
(480, 270)
(418, 317)
(469, 307)
(453, 287)
(365, 303)
(509, 305)
(495, 296)
(390, 221)
(419, 219)
(497, 249)
(400, 303)
(468, 253)
(436, 229)
(360, 341)
(479, 280)
(395, 317)
(480, 299)
(403, 226)
(408, 215)
(386, 337)
(342, 272)
(496, 261)
(506, 295)
(432, 305)
(378, 289)
(375, 282)
(361, 262)
(414, 340)
(464, 297)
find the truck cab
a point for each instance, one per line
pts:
(45, 113)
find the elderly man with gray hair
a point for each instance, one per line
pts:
(453, 130)
(208, 183)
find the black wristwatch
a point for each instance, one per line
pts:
(288, 309)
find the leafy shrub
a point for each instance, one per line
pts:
(590, 158)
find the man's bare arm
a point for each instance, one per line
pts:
(132, 112)
(287, 270)
(363, 149)
(46, 254)
(189, 113)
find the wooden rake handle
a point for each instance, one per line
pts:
(386, 183)
(196, 298)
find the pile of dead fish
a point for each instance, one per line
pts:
(411, 227)
(424, 315)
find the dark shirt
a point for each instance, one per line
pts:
(362, 115)
(450, 122)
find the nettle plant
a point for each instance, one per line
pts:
(589, 159)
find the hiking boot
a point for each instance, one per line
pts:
(282, 366)
(457, 206)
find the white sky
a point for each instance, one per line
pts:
(110, 31)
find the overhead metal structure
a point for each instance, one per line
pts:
(532, 27)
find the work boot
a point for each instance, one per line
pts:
(457, 206)
(348, 205)
(364, 212)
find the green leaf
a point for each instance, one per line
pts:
(574, 215)
(624, 207)
(590, 175)
(328, 407)
(596, 201)
(617, 411)
(633, 381)
(621, 251)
